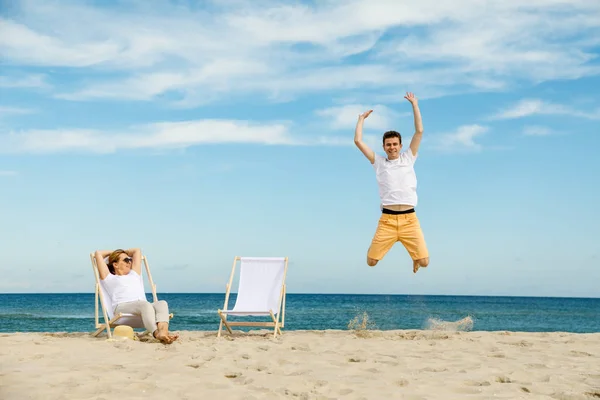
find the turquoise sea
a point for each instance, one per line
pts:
(198, 311)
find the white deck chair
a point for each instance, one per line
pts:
(261, 292)
(110, 319)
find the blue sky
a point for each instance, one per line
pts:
(199, 131)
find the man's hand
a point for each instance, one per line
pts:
(411, 98)
(416, 139)
(365, 114)
(358, 137)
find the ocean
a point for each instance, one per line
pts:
(198, 311)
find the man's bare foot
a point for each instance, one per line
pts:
(416, 266)
(421, 263)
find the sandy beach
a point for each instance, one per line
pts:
(404, 364)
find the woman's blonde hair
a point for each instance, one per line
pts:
(113, 258)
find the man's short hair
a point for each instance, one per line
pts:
(392, 134)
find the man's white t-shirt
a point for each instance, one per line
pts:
(124, 288)
(396, 179)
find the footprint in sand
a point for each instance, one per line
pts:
(301, 348)
(283, 361)
(572, 396)
(429, 369)
(356, 359)
(299, 395)
(520, 343)
(298, 373)
(401, 382)
(392, 363)
(116, 367)
(477, 383)
(536, 366)
(387, 355)
(580, 353)
(238, 378)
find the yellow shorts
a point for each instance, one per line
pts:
(404, 228)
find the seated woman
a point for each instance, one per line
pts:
(121, 280)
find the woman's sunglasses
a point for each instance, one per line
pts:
(127, 259)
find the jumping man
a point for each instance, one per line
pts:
(398, 192)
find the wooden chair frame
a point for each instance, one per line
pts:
(275, 324)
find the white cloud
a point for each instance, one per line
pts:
(14, 111)
(162, 135)
(282, 50)
(26, 46)
(27, 81)
(8, 173)
(530, 107)
(345, 117)
(535, 130)
(463, 139)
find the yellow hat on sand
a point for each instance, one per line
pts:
(124, 331)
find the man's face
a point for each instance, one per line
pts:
(392, 147)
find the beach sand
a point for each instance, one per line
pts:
(407, 364)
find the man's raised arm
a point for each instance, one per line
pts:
(358, 141)
(416, 139)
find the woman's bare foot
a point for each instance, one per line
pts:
(167, 339)
(162, 333)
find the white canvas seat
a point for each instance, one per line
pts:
(261, 292)
(110, 319)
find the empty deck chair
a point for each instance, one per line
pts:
(102, 298)
(261, 292)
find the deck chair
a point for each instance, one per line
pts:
(261, 292)
(110, 319)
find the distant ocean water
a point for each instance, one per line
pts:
(75, 312)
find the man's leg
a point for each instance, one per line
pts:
(411, 236)
(161, 309)
(383, 240)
